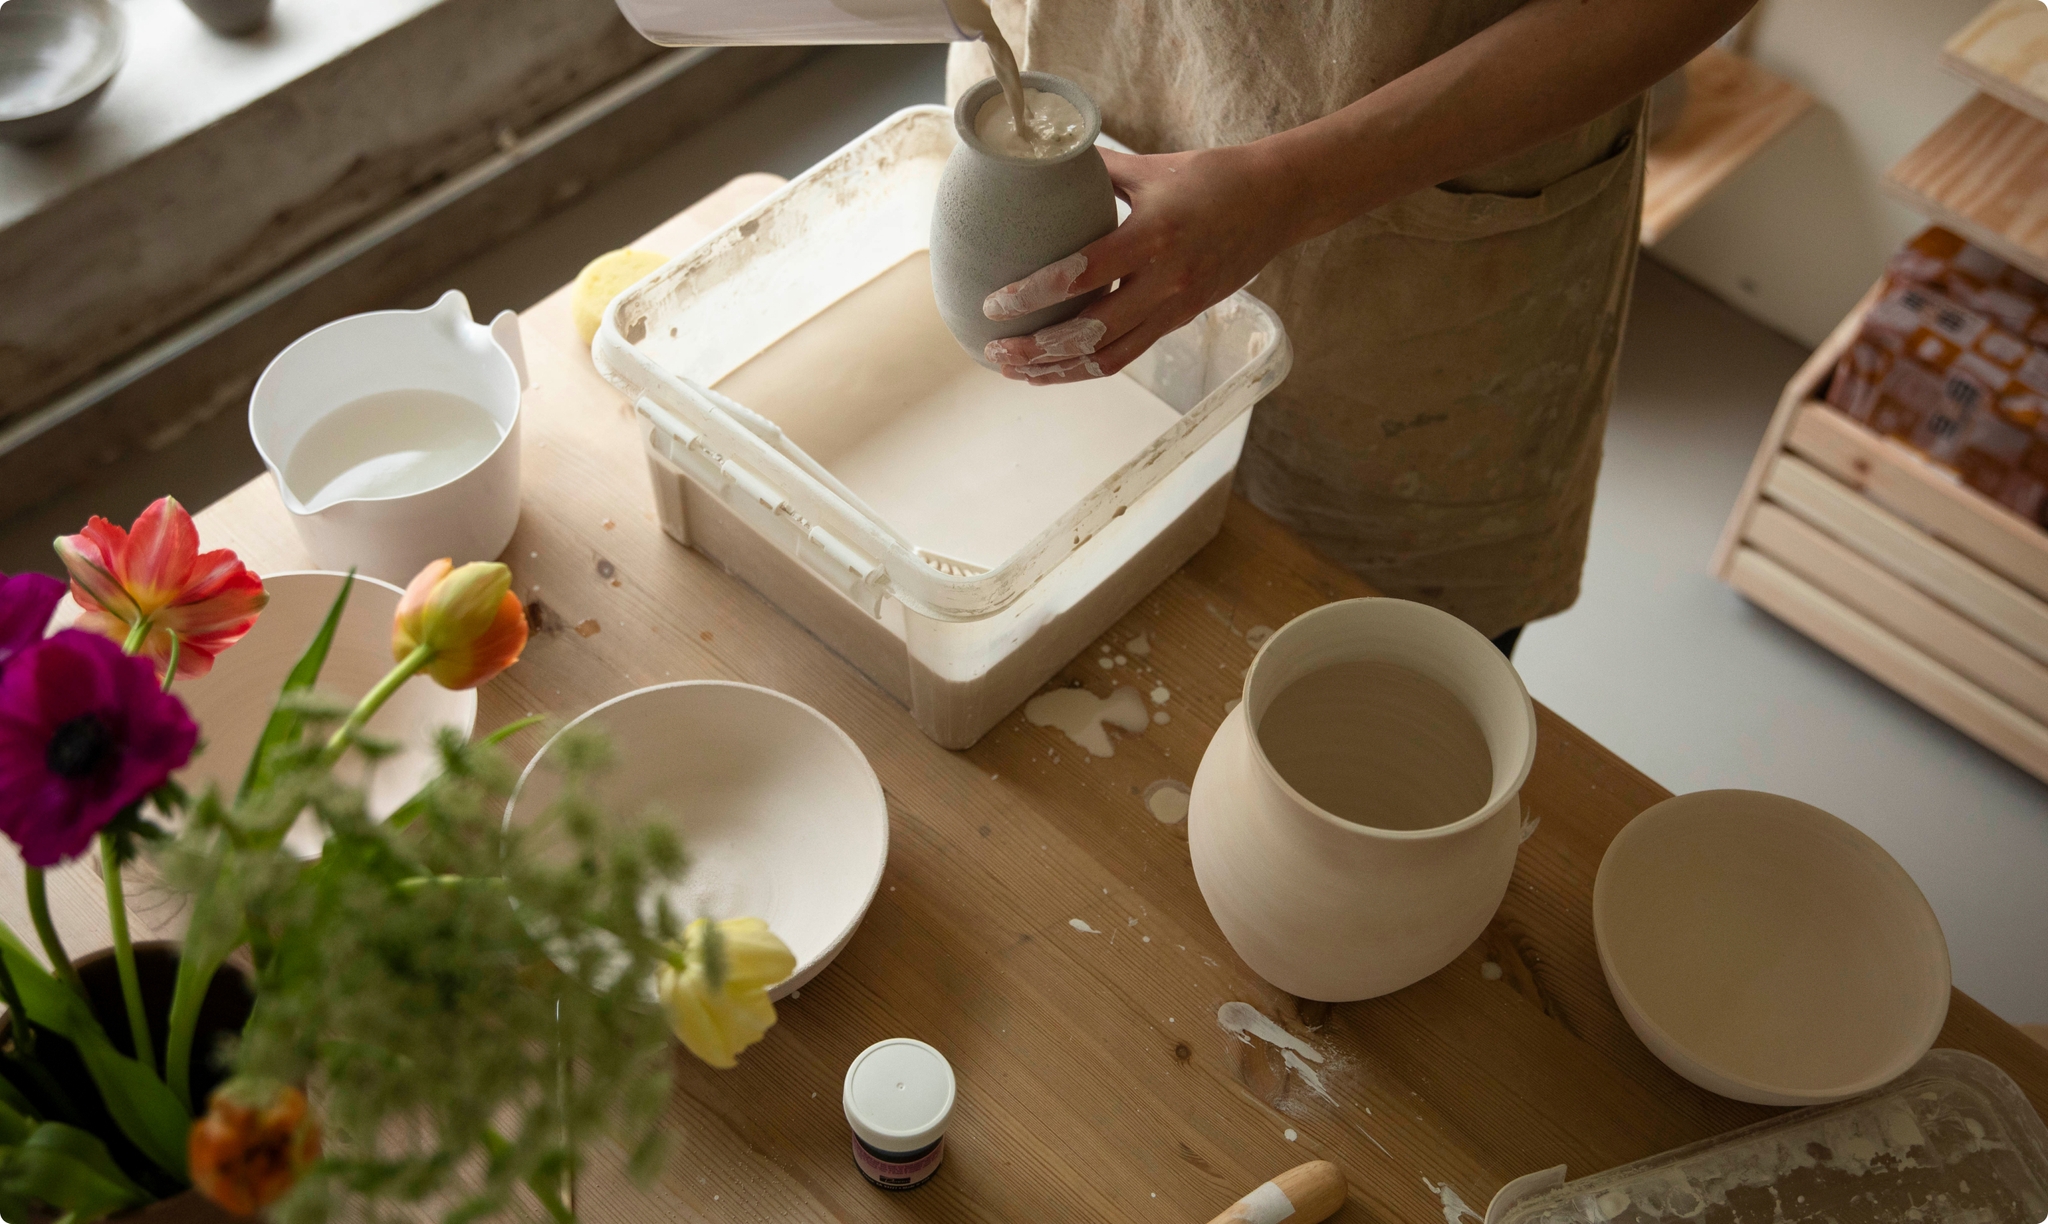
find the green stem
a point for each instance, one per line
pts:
(138, 633)
(53, 947)
(372, 701)
(24, 1032)
(124, 954)
(171, 665)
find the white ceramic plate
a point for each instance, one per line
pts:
(1768, 951)
(232, 703)
(780, 813)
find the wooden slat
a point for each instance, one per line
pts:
(1909, 485)
(2004, 52)
(1910, 673)
(1940, 571)
(1927, 625)
(1805, 384)
(1733, 109)
(1984, 174)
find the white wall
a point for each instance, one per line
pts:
(1796, 236)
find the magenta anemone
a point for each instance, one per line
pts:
(85, 731)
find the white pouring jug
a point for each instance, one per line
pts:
(469, 516)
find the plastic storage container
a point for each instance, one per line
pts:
(1952, 1140)
(960, 646)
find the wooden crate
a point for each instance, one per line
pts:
(1893, 563)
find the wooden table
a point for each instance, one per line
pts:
(1094, 1081)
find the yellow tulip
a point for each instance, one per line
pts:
(715, 990)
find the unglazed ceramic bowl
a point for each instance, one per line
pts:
(57, 58)
(232, 703)
(1768, 951)
(779, 812)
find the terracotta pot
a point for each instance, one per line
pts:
(997, 219)
(225, 1010)
(1355, 819)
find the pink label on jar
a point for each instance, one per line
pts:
(898, 1176)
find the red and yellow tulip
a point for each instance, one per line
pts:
(144, 585)
(256, 1139)
(466, 617)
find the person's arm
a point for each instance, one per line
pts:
(1203, 223)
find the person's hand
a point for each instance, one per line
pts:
(1202, 225)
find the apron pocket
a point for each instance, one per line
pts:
(1454, 216)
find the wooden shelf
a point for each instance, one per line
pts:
(1984, 174)
(2004, 52)
(1733, 109)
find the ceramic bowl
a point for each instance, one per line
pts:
(57, 58)
(232, 703)
(1768, 951)
(780, 813)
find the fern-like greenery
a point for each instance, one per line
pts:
(466, 1001)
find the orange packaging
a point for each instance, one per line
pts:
(1953, 361)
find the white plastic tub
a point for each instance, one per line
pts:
(960, 645)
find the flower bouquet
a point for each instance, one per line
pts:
(442, 1009)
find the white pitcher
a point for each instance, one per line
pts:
(469, 516)
(1330, 908)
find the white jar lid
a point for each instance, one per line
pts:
(899, 1095)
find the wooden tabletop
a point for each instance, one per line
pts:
(1094, 1082)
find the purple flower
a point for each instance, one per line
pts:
(84, 732)
(26, 602)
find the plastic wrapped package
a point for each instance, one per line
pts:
(1953, 1140)
(1953, 361)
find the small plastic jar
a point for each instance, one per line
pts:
(898, 1099)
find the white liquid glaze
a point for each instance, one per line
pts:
(1054, 126)
(1081, 715)
(391, 444)
(961, 460)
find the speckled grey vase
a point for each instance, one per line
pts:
(998, 219)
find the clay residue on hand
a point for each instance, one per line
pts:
(1050, 285)
(1085, 718)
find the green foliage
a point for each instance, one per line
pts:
(144, 1110)
(469, 1004)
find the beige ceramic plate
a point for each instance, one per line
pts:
(1766, 950)
(232, 703)
(778, 809)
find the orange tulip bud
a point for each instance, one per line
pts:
(467, 617)
(252, 1145)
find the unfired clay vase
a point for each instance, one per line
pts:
(778, 810)
(1767, 950)
(998, 218)
(1329, 908)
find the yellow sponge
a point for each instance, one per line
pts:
(601, 280)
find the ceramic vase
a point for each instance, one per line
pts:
(1329, 908)
(998, 219)
(225, 1010)
(231, 18)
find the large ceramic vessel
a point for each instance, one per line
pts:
(1329, 908)
(999, 218)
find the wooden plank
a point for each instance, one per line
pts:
(1805, 384)
(1984, 174)
(1940, 571)
(1733, 109)
(1913, 487)
(2004, 52)
(1920, 621)
(1884, 656)
(1094, 1082)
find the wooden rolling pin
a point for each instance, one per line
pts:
(1304, 1194)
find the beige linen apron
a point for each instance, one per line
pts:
(1454, 350)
